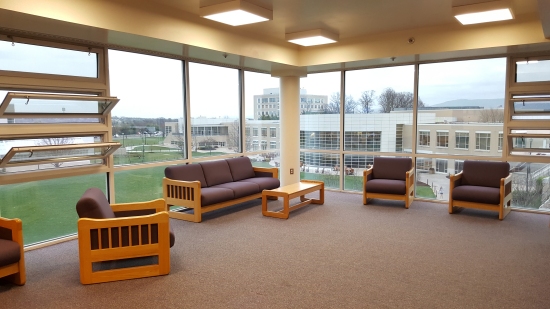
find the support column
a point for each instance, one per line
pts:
(289, 116)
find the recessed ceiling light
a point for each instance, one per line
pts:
(236, 13)
(312, 37)
(483, 12)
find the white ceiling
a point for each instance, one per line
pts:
(349, 18)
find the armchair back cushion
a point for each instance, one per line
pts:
(186, 172)
(93, 204)
(9, 252)
(391, 168)
(216, 172)
(484, 173)
(241, 168)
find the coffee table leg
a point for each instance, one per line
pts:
(286, 207)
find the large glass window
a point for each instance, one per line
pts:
(139, 185)
(215, 102)
(321, 166)
(320, 123)
(260, 117)
(379, 100)
(47, 207)
(47, 60)
(461, 98)
(147, 134)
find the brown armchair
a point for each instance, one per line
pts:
(120, 233)
(389, 178)
(482, 185)
(12, 258)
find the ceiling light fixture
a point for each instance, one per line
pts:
(483, 12)
(236, 13)
(312, 37)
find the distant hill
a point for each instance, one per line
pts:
(485, 103)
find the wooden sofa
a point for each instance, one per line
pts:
(211, 185)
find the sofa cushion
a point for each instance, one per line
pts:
(211, 196)
(484, 173)
(216, 172)
(391, 168)
(477, 194)
(265, 183)
(240, 189)
(241, 168)
(186, 172)
(386, 186)
(93, 204)
(9, 252)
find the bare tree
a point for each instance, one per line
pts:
(491, 115)
(333, 107)
(366, 101)
(180, 140)
(54, 141)
(234, 135)
(389, 100)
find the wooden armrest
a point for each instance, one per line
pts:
(368, 171)
(410, 172)
(454, 177)
(89, 223)
(273, 170)
(505, 181)
(158, 205)
(191, 184)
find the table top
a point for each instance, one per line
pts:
(296, 187)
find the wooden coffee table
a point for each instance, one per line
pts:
(289, 192)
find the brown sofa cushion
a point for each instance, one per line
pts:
(241, 168)
(93, 204)
(391, 168)
(9, 252)
(211, 196)
(265, 183)
(216, 172)
(386, 186)
(477, 194)
(484, 173)
(186, 172)
(240, 188)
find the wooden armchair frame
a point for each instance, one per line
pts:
(187, 194)
(87, 226)
(503, 208)
(14, 272)
(408, 197)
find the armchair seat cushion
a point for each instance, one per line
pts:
(386, 186)
(9, 252)
(240, 189)
(477, 194)
(211, 196)
(264, 183)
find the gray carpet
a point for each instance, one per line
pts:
(338, 255)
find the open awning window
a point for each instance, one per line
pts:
(43, 154)
(28, 105)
